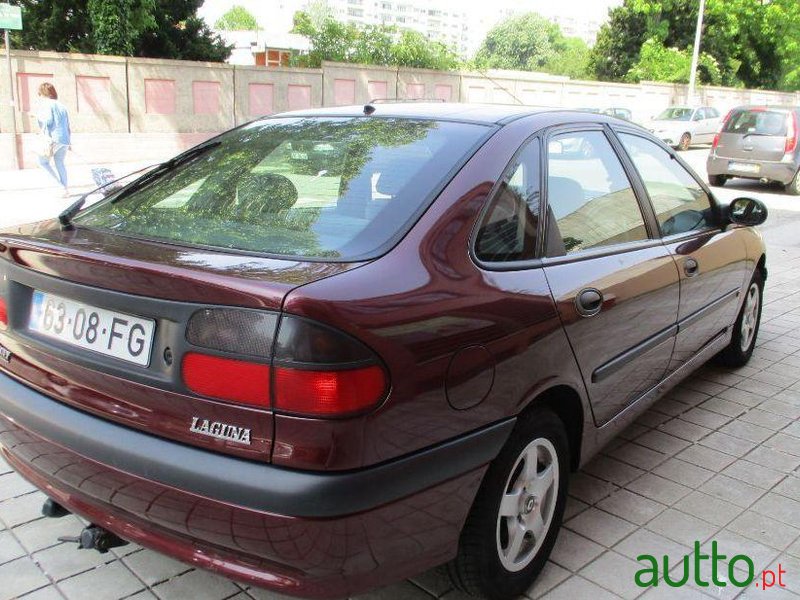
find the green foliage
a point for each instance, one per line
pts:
(529, 42)
(150, 28)
(238, 18)
(332, 40)
(571, 59)
(752, 43)
(658, 63)
(525, 43)
(116, 24)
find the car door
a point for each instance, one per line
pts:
(710, 259)
(615, 286)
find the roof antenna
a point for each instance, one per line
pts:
(369, 109)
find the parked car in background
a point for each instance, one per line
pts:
(620, 113)
(682, 126)
(330, 349)
(758, 142)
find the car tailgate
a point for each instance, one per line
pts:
(144, 282)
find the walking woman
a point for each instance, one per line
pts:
(54, 124)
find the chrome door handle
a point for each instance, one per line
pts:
(690, 267)
(589, 302)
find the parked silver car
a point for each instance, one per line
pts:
(758, 142)
(682, 126)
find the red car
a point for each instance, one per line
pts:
(328, 350)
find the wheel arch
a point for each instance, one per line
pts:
(567, 405)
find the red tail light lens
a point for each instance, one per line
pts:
(791, 132)
(328, 393)
(316, 371)
(3, 313)
(227, 379)
(715, 143)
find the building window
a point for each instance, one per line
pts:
(355, 12)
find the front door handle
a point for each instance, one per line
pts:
(690, 267)
(589, 302)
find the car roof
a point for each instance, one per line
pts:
(764, 107)
(488, 114)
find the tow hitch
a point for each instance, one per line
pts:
(94, 537)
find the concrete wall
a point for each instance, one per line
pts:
(123, 108)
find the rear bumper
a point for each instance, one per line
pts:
(320, 535)
(780, 172)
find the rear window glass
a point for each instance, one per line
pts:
(337, 188)
(764, 122)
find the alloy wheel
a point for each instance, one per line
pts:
(527, 505)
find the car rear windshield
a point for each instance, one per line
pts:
(759, 122)
(325, 188)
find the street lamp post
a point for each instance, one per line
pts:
(696, 54)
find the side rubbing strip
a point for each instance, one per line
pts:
(691, 319)
(615, 364)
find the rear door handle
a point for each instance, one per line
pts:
(690, 267)
(589, 302)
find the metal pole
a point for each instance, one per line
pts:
(696, 54)
(13, 102)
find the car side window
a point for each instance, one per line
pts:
(712, 113)
(590, 200)
(681, 205)
(509, 229)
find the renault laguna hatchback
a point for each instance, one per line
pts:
(328, 350)
(758, 142)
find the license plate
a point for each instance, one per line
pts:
(744, 167)
(108, 332)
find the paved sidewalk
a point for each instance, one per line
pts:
(717, 460)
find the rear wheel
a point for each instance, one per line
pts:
(517, 513)
(717, 180)
(685, 141)
(793, 187)
(745, 330)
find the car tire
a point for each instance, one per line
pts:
(499, 552)
(717, 180)
(793, 187)
(745, 330)
(685, 141)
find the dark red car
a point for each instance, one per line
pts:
(328, 350)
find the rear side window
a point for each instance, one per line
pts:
(335, 188)
(680, 203)
(762, 122)
(590, 200)
(509, 229)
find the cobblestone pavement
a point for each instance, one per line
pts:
(716, 460)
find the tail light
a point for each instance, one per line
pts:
(3, 314)
(791, 132)
(299, 367)
(727, 118)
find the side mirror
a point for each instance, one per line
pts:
(747, 211)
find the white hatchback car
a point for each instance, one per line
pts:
(682, 126)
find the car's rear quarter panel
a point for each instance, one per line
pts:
(416, 307)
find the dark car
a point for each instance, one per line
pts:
(758, 142)
(327, 369)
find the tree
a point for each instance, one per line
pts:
(150, 28)
(333, 40)
(753, 43)
(116, 24)
(525, 43)
(571, 59)
(238, 18)
(659, 63)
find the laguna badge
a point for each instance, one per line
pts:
(5, 354)
(221, 431)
